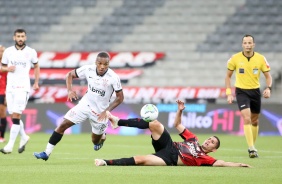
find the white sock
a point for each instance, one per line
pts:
(13, 136)
(49, 148)
(22, 132)
(252, 148)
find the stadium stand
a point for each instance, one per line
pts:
(198, 37)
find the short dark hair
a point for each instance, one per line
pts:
(19, 31)
(248, 35)
(218, 142)
(103, 55)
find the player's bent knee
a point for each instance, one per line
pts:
(139, 160)
(156, 125)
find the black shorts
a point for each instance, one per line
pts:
(249, 98)
(165, 149)
(2, 99)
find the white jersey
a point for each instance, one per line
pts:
(100, 88)
(23, 60)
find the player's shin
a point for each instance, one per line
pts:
(135, 122)
(121, 161)
(54, 139)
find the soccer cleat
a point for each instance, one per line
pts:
(5, 151)
(98, 146)
(100, 162)
(41, 155)
(253, 153)
(2, 140)
(23, 143)
(113, 119)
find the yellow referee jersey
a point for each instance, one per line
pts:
(248, 69)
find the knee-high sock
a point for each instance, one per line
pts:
(135, 122)
(249, 135)
(54, 139)
(13, 136)
(121, 161)
(22, 131)
(255, 130)
(3, 125)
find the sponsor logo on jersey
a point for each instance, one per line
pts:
(98, 91)
(18, 63)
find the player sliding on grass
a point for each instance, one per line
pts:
(167, 152)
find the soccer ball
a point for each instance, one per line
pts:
(149, 112)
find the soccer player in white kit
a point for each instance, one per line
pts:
(17, 61)
(102, 82)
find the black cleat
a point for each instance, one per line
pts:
(253, 153)
(23, 144)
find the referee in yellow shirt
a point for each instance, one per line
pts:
(247, 66)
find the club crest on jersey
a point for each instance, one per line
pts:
(72, 113)
(105, 82)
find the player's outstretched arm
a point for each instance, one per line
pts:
(221, 163)
(118, 100)
(177, 122)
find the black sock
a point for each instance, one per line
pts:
(136, 122)
(3, 125)
(55, 138)
(121, 161)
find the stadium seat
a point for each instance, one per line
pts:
(196, 36)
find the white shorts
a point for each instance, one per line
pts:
(16, 101)
(82, 112)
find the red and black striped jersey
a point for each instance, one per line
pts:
(190, 151)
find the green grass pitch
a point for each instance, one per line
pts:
(72, 162)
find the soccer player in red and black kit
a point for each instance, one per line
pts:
(167, 152)
(3, 114)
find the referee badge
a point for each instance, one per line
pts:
(255, 71)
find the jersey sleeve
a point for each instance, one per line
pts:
(231, 64)
(186, 134)
(34, 58)
(265, 66)
(81, 71)
(116, 83)
(207, 161)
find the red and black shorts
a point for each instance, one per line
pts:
(165, 149)
(249, 98)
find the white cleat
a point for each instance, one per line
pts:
(113, 119)
(6, 151)
(100, 162)
(23, 143)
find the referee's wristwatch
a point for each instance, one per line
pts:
(269, 87)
